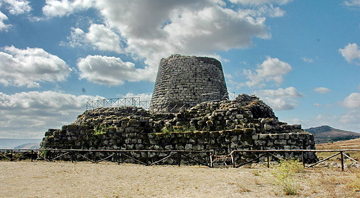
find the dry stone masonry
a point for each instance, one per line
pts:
(187, 81)
(219, 125)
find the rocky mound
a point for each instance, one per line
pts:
(243, 112)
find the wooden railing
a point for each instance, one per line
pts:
(119, 155)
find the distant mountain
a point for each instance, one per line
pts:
(12, 143)
(323, 134)
(28, 146)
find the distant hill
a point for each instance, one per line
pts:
(12, 143)
(324, 134)
(28, 146)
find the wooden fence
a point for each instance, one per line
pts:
(96, 156)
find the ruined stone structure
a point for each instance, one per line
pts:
(219, 127)
(216, 125)
(184, 81)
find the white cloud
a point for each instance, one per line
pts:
(279, 104)
(38, 111)
(99, 36)
(322, 90)
(290, 92)
(3, 26)
(352, 101)
(352, 116)
(231, 83)
(110, 70)
(308, 60)
(76, 38)
(258, 2)
(154, 29)
(350, 52)
(263, 11)
(59, 8)
(143, 96)
(16, 7)
(280, 99)
(272, 69)
(352, 3)
(28, 67)
(103, 38)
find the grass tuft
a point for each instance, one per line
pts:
(284, 176)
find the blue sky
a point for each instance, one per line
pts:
(301, 57)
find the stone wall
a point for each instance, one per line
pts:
(220, 127)
(187, 81)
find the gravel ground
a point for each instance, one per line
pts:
(64, 179)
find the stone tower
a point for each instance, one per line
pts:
(184, 81)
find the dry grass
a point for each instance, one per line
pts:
(63, 179)
(349, 144)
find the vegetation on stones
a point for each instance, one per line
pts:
(184, 128)
(101, 129)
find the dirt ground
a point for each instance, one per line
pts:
(65, 179)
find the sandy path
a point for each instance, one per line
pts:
(65, 179)
(42, 179)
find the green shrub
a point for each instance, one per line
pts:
(284, 176)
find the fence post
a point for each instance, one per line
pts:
(72, 156)
(119, 158)
(342, 160)
(211, 161)
(147, 158)
(303, 158)
(179, 158)
(32, 155)
(268, 159)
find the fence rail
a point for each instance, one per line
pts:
(119, 155)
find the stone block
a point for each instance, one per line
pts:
(188, 147)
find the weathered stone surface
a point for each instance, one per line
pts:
(187, 81)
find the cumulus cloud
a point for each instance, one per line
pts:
(351, 52)
(322, 90)
(352, 115)
(110, 70)
(37, 111)
(16, 7)
(352, 101)
(157, 28)
(28, 67)
(352, 3)
(154, 29)
(99, 36)
(56, 8)
(281, 99)
(290, 92)
(272, 69)
(258, 2)
(3, 26)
